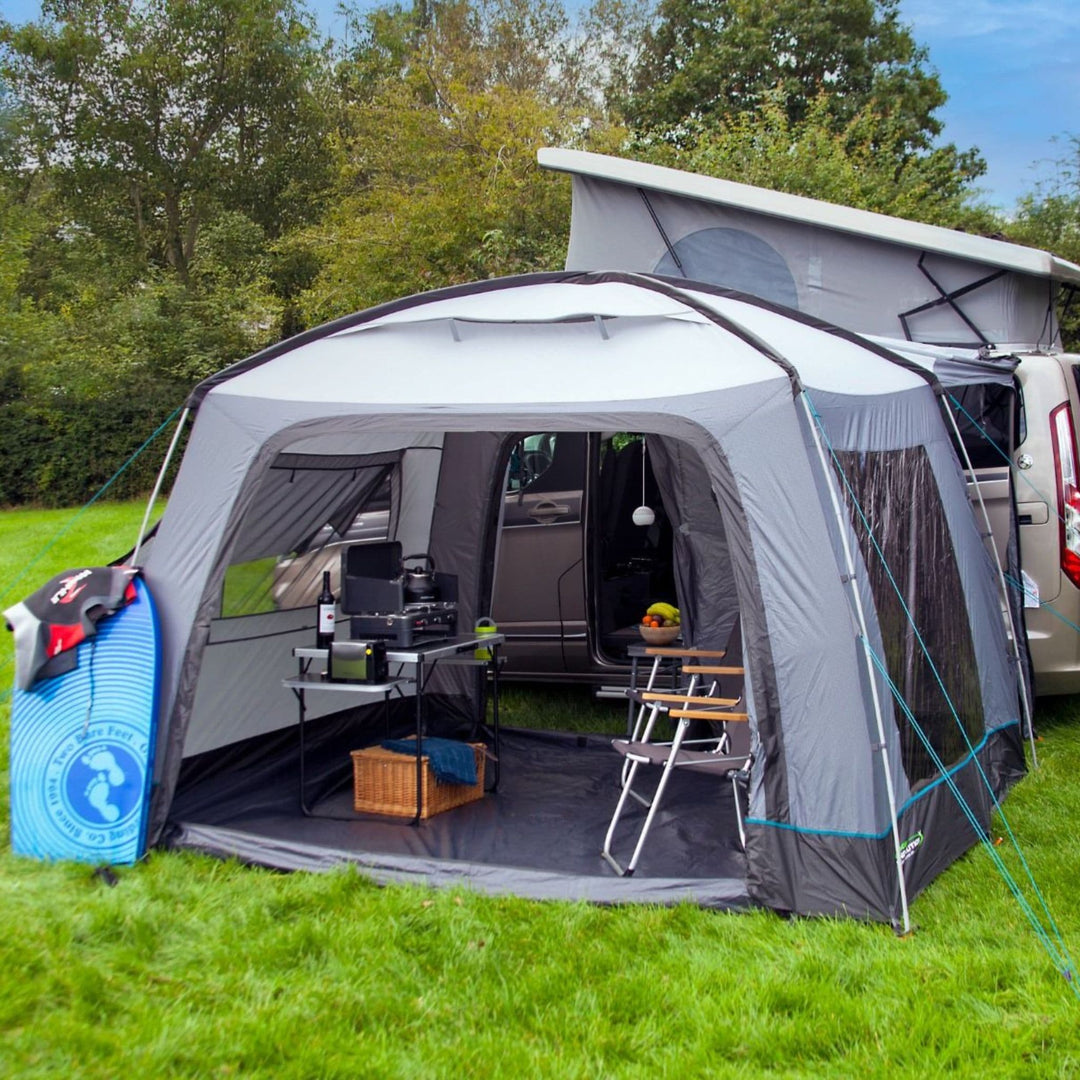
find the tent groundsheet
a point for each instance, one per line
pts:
(537, 835)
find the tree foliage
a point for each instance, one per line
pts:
(155, 115)
(816, 158)
(439, 182)
(185, 181)
(713, 59)
(1049, 218)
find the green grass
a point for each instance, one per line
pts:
(192, 967)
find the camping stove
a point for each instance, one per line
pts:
(414, 624)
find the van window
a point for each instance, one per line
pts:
(546, 461)
(989, 420)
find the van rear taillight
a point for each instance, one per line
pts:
(1064, 435)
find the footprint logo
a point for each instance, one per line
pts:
(107, 776)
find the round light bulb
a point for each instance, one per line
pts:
(644, 515)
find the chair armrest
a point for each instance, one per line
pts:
(650, 695)
(713, 669)
(691, 654)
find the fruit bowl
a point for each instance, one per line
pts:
(659, 635)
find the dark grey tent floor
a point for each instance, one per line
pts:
(539, 835)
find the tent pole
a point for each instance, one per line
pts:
(860, 616)
(1015, 640)
(157, 486)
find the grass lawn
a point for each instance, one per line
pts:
(192, 967)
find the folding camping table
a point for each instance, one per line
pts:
(663, 672)
(423, 657)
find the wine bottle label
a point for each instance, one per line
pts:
(326, 619)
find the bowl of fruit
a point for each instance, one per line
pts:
(661, 624)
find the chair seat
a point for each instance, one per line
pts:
(699, 760)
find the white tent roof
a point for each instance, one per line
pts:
(629, 334)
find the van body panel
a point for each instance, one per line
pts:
(1047, 381)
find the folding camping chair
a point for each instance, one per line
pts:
(725, 753)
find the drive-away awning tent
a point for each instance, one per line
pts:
(813, 490)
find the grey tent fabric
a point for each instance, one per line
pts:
(299, 489)
(768, 435)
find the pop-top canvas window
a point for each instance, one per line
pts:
(733, 259)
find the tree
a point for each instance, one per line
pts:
(813, 157)
(435, 196)
(711, 59)
(154, 115)
(522, 45)
(153, 153)
(439, 182)
(1049, 218)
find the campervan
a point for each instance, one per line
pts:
(574, 574)
(921, 290)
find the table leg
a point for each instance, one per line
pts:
(495, 714)
(303, 755)
(419, 738)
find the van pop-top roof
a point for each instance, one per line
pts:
(867, 272)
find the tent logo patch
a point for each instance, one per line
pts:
(910, 846)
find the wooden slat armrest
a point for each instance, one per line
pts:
(671, 650)
(652, 695)
(713, 669)
(707, 714)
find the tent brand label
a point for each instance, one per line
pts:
(910, 846)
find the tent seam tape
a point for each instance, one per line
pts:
(802, 829)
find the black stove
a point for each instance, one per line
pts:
(413, 624)
(374, 595)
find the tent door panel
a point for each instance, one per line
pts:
(633, 563)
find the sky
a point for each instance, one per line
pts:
(1011, 69)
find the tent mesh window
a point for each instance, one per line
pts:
(307, 509)
(900, 504)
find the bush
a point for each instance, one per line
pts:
(61, 453)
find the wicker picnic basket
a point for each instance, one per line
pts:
(384, 782)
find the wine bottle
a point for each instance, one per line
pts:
(324, 614)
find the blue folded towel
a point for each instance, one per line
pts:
(452, 762)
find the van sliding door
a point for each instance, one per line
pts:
(539, 595)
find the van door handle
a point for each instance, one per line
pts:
(1037, 513)
(547, 511)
